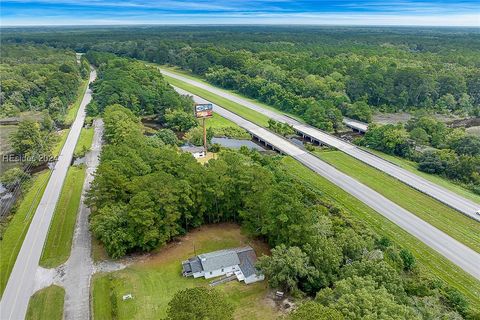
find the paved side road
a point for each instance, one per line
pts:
(448, 197)
(20, 284)
(458, 253)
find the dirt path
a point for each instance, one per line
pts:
(79, 267)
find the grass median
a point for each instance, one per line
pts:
(408, 165)
(19, 221)
(59, 240)
(191, 76)
(234, 107)
(46, 304)
(456, 225)
(413, 167)
(84, 142)
(429, 260)
(73, 109)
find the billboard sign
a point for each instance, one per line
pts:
(203, 110)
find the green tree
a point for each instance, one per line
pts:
(420, 136)
(195, 136)
(362, 298)
(199, 304)
(13, 177)
(408, 259)
(179, 120)
(287, 268)
(326, 256)
(31, 142)
(167, 136)
(314, 311)
(56, 109)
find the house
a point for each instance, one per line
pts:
(239, 262)
(197, 152)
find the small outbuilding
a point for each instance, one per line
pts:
(197, 152)
(237, 261)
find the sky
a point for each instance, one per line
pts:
(287, 12)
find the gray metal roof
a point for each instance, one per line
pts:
(195, 265)
(192, 265)
(192, 149)
(219, 259)
(247, 262)
(244, 257)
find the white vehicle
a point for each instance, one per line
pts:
(477, 212)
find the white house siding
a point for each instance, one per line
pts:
(254, 278)
(220, 272)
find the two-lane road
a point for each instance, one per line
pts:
(443, 195)
(456, 252)
(20, 284)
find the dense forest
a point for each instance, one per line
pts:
(314, 72)
(438, 149)
(145, 193)
(36, 78)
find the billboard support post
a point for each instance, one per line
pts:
(203, 111)
(204, 136)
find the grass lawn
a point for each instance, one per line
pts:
(17, 228)
(59, 240)
(223, 127)
(242, 111)
(61, 138)
(217, 122)
(153, 281)
(429, 260)
(84, 142)
(412, 167)
(73, 109)
(448, 220)
(46, 304)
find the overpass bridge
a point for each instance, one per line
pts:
(449, 198)
(458, 253)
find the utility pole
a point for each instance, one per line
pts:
(204, 136)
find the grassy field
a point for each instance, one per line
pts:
(412, 167)
(154, 280)
(46, 304)
(59, 240)
(223, 127)
(242, 111)
(73, 109)
(448, 220)
(61, 138)
(84, 142)
(430, 261)
(17, 228)
(217, 121)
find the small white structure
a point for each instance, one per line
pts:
(127, 297)
(197, 152)
(238, 261)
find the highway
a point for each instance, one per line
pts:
(456, 252)
(443, 195)
(16, 296)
